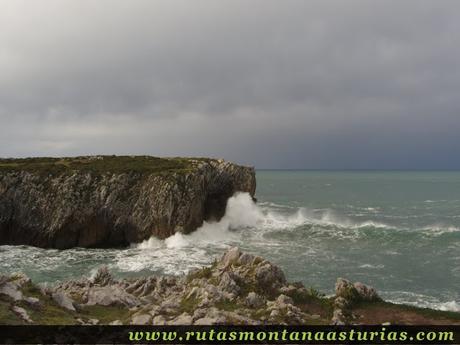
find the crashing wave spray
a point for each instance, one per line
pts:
(241, 212)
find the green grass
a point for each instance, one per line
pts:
(7, 317)
(99, 164)
(227, 305)
(49, 313)
(203, 273)
(189, 304)
(106, 314)
(52, 314)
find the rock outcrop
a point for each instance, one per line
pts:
(112, 201)
(230, 291)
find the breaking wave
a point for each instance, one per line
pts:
(312, 245)
(243, 214)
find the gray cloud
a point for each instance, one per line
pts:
(283, 84)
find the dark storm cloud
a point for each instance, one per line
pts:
(309, 84)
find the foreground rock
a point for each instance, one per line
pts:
(237, 289)
(112, 201)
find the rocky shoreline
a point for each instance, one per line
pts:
(238, 288)
(111, 201)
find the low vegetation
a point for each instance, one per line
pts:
(99, 164)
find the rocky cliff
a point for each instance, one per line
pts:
(112, 201)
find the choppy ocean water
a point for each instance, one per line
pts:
(398, 231)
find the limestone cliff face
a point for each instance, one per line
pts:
(99, 209)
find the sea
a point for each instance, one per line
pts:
(398, 231)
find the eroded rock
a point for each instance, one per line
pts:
(63, 300)
(111, 295)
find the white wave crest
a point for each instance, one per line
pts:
(242, 213)
(423, 301)
(439, 229)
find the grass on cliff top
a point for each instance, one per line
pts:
(99, 164)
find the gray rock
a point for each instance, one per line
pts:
(213, 316)
(274, 313)
(63, 300)
(254, 300)
(344, 288)
(210, 321)
(246, 259)
(33, 302)
(11, 290)
(141, 319)
(366, 293)
(22, 313)
(182, 319)
(20, 279)
(269, 275)
(284, 300)
(230, 257)
(228, 284)
(159, 320)
(111, 295)
(3, 279)
(341, 303)
(116, 323)
(338, 317)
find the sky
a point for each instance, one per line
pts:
(279, 84)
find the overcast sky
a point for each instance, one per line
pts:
(275, 84)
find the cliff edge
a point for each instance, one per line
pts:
(105, 201)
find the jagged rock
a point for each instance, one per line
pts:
(11, 290)
(366, 293)
(75, 205)
(159, 320)
(254, 300)
(344, 288)
(199, 313)
(230, 256)
(246, 259)
(213, 316)
(228, 284)
(103, 276)
(111, 295)
(274, 313)
(116, 323)
(338, 317)
(355, 292)
(341, 303)
(205, 297)
(283, 300)
(20, 279)
(170, 305)
(22, 313)
(63, 300)
(3, 279)
(33, 302)
(141, 319)
(182, 319)
(210, 321)
(269, 275)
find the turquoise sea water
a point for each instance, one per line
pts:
(398, 231)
